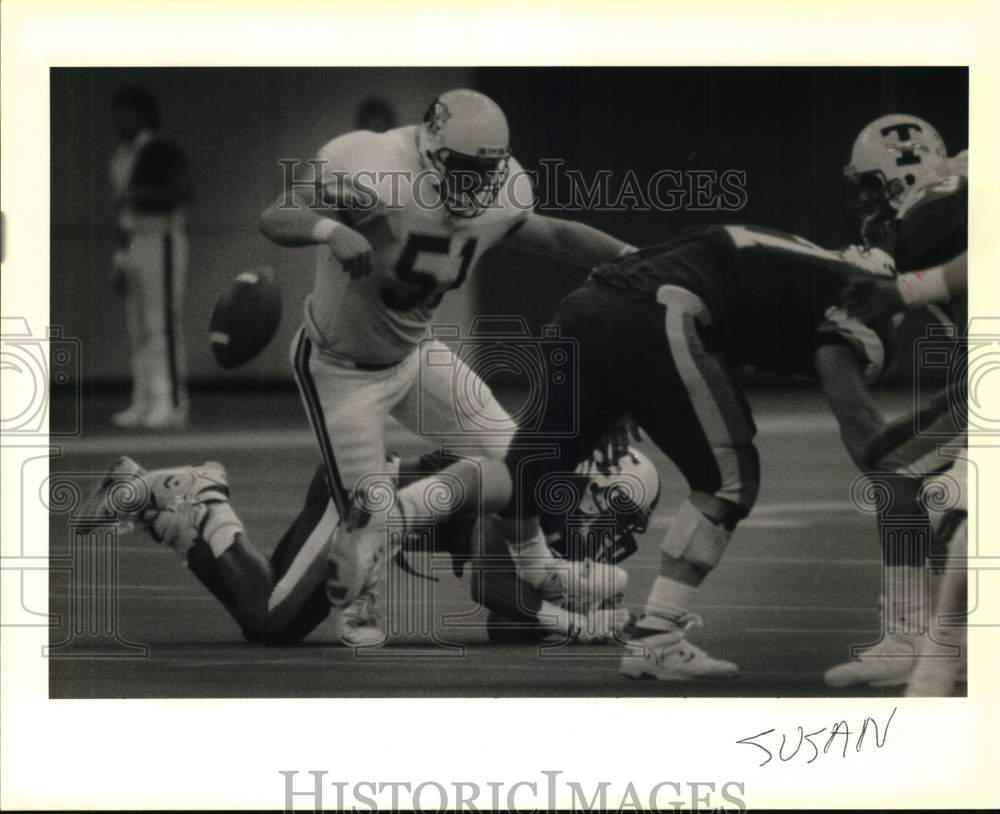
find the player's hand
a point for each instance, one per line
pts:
(872, 299)
(616, 443)
(353, 251)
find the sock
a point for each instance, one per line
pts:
(669, 599)
(532, 557)
(221, 527)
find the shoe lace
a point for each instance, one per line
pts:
(688, 623)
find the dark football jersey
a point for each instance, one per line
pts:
(771, 295)
(935, 226)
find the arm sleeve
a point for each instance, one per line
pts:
(352, 194)
(161, 178)
(935, 227)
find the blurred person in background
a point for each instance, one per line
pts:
(375, 114)
(151, 185)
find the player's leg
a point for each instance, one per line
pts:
(942, 655)
(152, 254)
(691, 407)
(139, 405)
(450, 406)
(901, 459)
(170, 389)
(188, 509)
(584, 396)
(348, 408)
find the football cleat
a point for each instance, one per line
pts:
(129, 494)
(886, 664)
(589, 584)
(935, 675)
(361, 624)
(659, 649)
(122, 496)
(179, 525)
(579, 585)
(195, 484)
(601, 625)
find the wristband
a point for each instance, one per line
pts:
(323, 229)
(923, 287)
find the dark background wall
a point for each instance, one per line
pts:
(789, 129)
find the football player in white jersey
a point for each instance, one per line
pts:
(400, 218)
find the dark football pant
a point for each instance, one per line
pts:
(660, 362)
(298, 604)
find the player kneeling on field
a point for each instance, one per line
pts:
(611, 504)
(279, 600)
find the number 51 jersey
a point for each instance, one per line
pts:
(421, 250)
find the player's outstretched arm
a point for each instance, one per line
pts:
(569, 241)
(870, 299)
(939, 284)
(843, 381)
(298, 217)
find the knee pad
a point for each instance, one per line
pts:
(695, 538)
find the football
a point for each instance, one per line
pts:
(245, 317)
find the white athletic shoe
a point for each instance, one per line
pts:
(195, 484)
(361, 624)
(179, 525)
(580, 585)
(886, 664)
(935, 675)
(165, 417)
(662, 652)
(130, 417)
(129, 494)
(122, 496)
(601, 625)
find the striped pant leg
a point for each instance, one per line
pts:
(347, 410)
(298, 603)
(695, 412)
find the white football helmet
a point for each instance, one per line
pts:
(465, 141)
(616, 499)
(892, 158)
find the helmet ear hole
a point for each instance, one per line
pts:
(910, 179)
